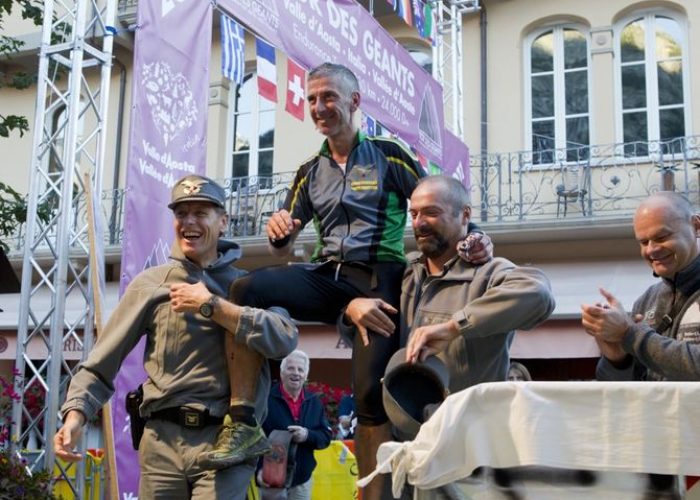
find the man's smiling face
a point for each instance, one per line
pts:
(667, 241)
(198, 225)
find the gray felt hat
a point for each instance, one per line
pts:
(411, 390)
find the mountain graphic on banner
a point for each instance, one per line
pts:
(159, 254)
(429, 120)
(167, 5)
(173, 107)
(458, 174)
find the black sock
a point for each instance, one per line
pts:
(244, 414)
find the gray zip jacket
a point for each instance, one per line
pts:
(184, 356)
(663, 349)
(487, 301)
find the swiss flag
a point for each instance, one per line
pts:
(295, 90)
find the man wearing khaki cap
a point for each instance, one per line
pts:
(189, 325)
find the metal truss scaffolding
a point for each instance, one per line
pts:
(69, 141)
(447, 58)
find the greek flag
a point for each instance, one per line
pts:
(232, 50)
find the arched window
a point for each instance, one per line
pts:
(650, 80)
(557, 97)
(252, 124)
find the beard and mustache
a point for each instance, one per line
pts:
(431, 244)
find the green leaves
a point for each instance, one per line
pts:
(13, 76)
(13, 122)
(13, 212)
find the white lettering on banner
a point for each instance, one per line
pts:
(295, 10)
(129, 495)
(341, 19)
(165, 161)
(312, 3)
(406, 104)
(388, 63)
(264, 13)
(328, 38)
(315, 31)
(382, 82)
(309, 44)
(357, 62)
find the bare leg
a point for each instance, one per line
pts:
(244, 366)
(367, 441)
(241, 438)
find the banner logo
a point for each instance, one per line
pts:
(173, 106)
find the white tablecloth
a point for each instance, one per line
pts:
(643, 427)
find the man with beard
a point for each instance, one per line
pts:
(354, 191)
(464, 313)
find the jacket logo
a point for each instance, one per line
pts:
(363, 178)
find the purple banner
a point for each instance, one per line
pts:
(456, 159)
(395, 89)
(167, 140)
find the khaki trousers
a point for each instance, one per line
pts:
(169, 470)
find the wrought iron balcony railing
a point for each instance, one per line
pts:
(569, 185)
(602, 181)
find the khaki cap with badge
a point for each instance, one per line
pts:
(198, 188)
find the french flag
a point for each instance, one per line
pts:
(267, 72)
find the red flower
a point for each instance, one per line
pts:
(330, 397)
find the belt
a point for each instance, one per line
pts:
(187, 417)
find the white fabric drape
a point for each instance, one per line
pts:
(643, 427)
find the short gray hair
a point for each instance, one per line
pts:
(299, 354)
(454, 192)
(679, 205)
(339, 73)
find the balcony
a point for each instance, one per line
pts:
(592, 182)
(555, 188)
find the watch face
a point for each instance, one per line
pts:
(206, 310)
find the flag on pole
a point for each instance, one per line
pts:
(418, 16)
(429, 23)
(405, 11)
(267, 72)
(295, 90)
(232, 50)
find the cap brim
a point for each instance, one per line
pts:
(217, 203)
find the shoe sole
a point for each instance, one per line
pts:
(224, 463)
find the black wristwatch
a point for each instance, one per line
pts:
(207, 309)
